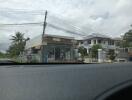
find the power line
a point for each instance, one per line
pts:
(70, 28)
(15, 24)
(62, 29)
(70, 25)
(40, 23)
(23, 11)
(29, 13)
(40, 12)
(9, 9)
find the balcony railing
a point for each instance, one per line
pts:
(103, 45)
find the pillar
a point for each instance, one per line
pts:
(100, 55)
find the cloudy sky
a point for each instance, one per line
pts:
(111, 17)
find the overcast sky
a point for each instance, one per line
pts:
(112, 17)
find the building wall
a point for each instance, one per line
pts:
(58, 53)
(50, 45)
(124, 53)
(105, 43)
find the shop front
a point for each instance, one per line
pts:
(58, 53)
(54, 49)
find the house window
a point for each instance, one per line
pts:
(117, 43)
(34, 51)
(51, 54)
(99, 41)
(81, 42)
(89, 41)
(109, 42)
(126, 49)
(112, 42)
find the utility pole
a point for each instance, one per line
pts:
(42, 46)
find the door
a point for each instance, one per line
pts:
(57, 53)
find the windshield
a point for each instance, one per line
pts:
(64, 31)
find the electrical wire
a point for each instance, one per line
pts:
(22, 11)
(70, 26)
(37, 12)
(40, 23)
(62, 29)
(19, 24)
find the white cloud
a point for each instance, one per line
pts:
(112, 17)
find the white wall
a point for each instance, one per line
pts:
(104, 45)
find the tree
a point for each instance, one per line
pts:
(111, 54)
(82, 51)
(17, 45)
(94, 50)
(18, 38)
(3, 55)
(127, 39)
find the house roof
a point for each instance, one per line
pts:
(117, 38)
(37, 41)
(33, 42)
(59, 36)
(94, 35)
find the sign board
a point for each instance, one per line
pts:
(44, 43)
(56, 39)
(74, 41)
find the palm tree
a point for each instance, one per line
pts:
(18, 38)
(18, 44)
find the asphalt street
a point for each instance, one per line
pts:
(60, 82)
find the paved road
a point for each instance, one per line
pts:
(57, 82)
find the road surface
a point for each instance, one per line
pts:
(60, 82)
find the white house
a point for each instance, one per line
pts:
(105, 41)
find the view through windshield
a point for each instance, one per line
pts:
(77, 31)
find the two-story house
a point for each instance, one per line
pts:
(95, 38)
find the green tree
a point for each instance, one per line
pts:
(111, 54)
(82, 51)
(127, 39)
(18, 38)
(94, 50)
(17, 45)
(3, 55)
